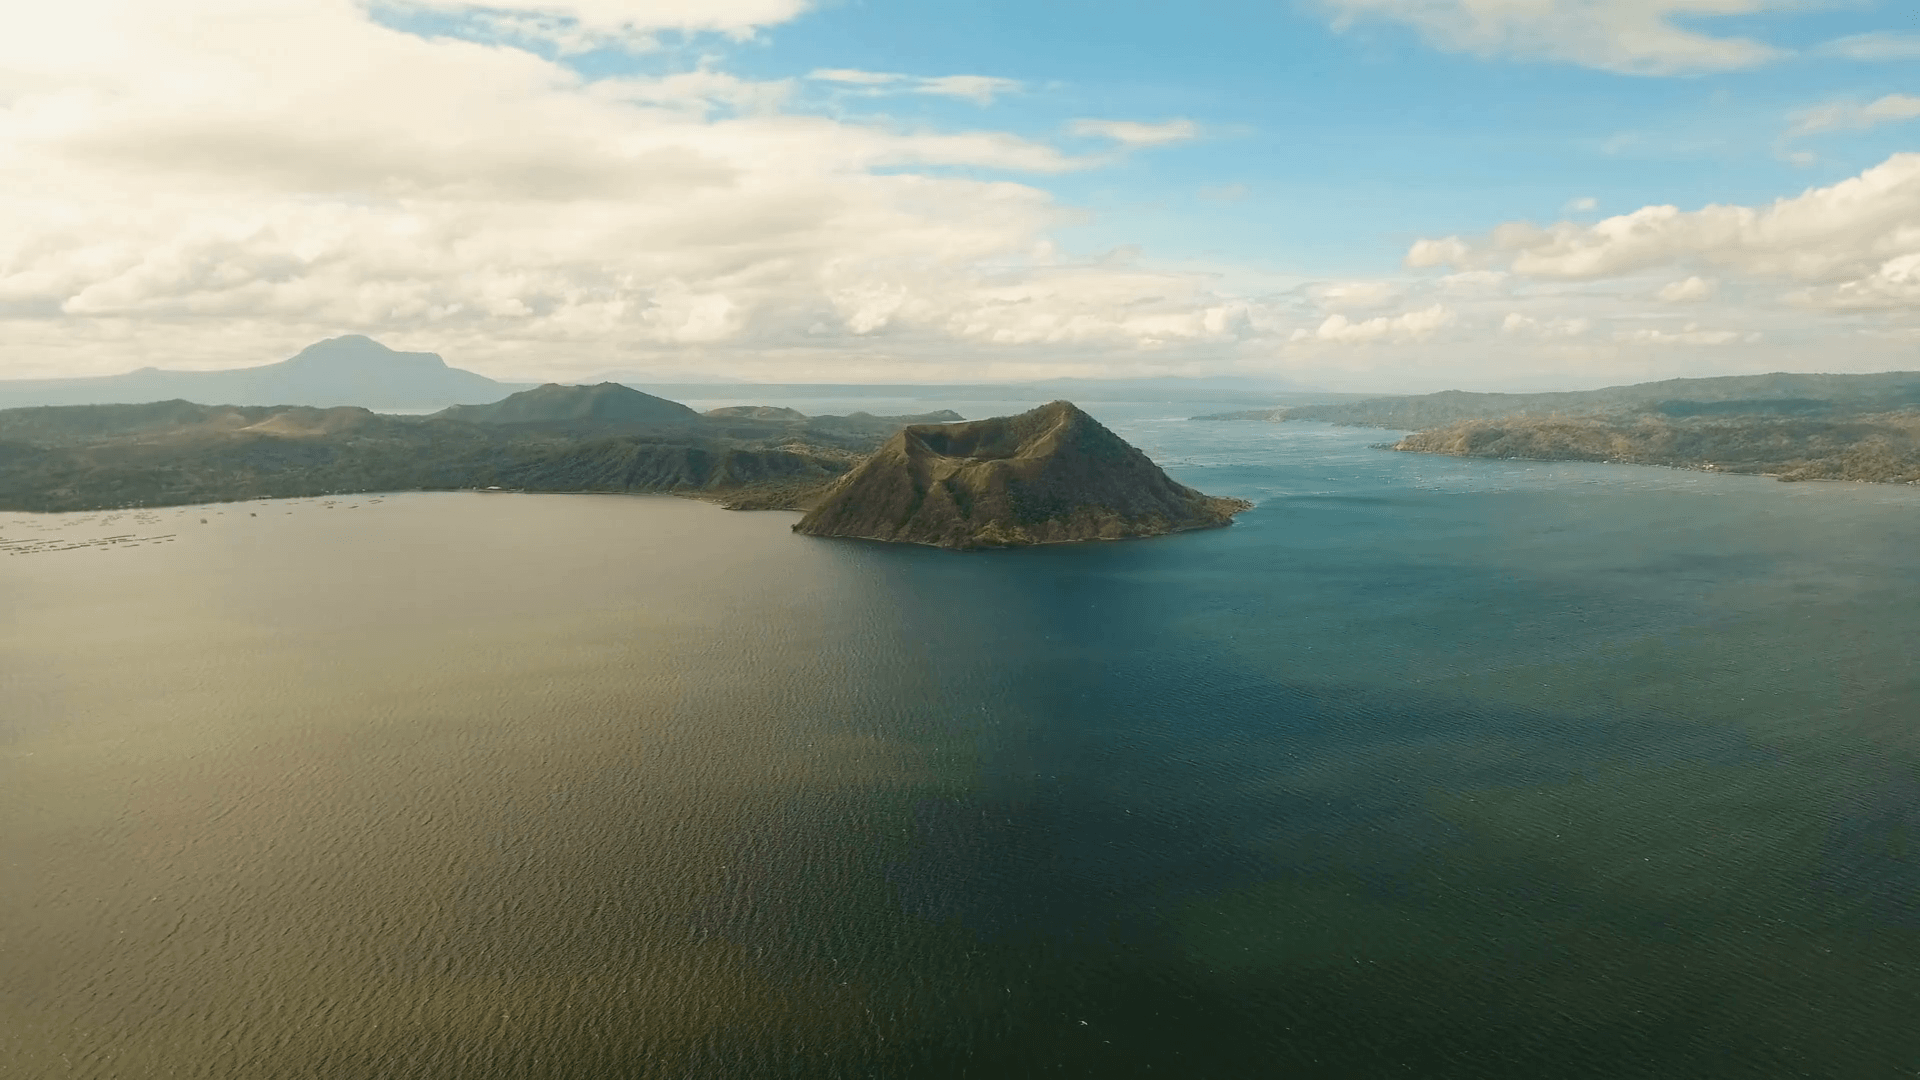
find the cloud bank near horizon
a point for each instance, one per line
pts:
(222, 181)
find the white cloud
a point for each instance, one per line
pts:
(174, 176)
(1411, 326)
(1635, 37)
(573, 26)
(695, 91)
(1879, 45)
(1892, 333)
(1475, 282)
(1355, 295)
(1853, 116)
(1446, 251)
(1691, 334)
(179, 186)
(1516, 324)
(856, 77)
(1853, 243)
(1688, 290)
(1582, 204)
(1135, 133)
(979, 89)
(1894, 284)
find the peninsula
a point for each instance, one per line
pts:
(1790, 426)
(1051, 475)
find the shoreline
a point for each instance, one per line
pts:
(1720, 470)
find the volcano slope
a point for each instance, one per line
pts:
(1049, 476)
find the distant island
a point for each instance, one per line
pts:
(1051, 475)
(605, 403)
(605, 438)
(1791, 426)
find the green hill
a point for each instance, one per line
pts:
(606, 403)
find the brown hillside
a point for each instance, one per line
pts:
(1052, 475)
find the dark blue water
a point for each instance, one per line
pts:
(1424, 768)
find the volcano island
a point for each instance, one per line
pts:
(1049, 476)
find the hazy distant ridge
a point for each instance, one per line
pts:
(350, 370)
(1759, 394)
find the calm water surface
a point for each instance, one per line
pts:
(1425, 768)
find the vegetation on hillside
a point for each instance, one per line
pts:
(177, 452)
(1796, 427)
(1882, 448)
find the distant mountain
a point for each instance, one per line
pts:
(607, 403)
(756, 412)
(351, 370)
(867, 419)
(1051, 475)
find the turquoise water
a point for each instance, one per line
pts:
(1424, 768)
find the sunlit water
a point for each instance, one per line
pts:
(1425, 768)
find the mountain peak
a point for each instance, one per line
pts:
(360, 351)
(1050, 475)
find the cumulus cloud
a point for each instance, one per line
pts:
(1410, 326)
(1853, 244)
(1475, 282)
(1446, 251)
(1895, 284)
(179, 186)
(175, 174)
(1691, 334)
(1135, 133)
(1516, 324)
(1688, 290)
(1355, 295)
(1853, 116)
(1582, 204)
(1635, 37)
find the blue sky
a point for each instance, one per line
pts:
(1368, 194)
(1347, 145)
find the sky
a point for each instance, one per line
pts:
(1369, 195)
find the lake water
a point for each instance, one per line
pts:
(1426, 768)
